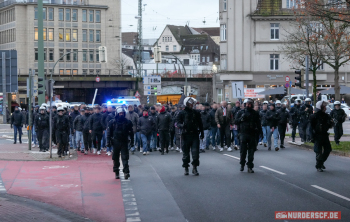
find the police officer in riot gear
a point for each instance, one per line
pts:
(62, 128)
(294, 121)
(119, 132)
(42, 123)
(320, 123)
(190, 122)
(339, 116)
(249, 124)
(305, 112)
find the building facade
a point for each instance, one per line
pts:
(251, 35)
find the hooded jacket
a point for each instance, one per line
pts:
(284, 116)
(119, 130)
(96, 124)
(146, 125)
(272, 117)
(42, 121)
(134, 118)
(206, 119)
(164, 120)
(17, 118)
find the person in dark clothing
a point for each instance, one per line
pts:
(69, 137)
(282, 123)
(272, 118)
(339, 116)
(42, 123)
(62, 128)
(263, 120)
(214, 130)
(105, 125)
(278, 105)
(78, 126)
(189, 120)
(206, 122)
(86, 133)
(17, 122)
(118, 133)
(73, 115)
(146, 126)
(172, 127)
(320, 123)
(342, 101)
(163, 128)
(178, 131)
(154, 137)
(305, 112)
(96, 129)
(134, 118)
(295, 118)
(235, 131)
(223, 121)
(249, 124)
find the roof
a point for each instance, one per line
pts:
(271, 7)
(177, 31)
(194, 40)
(129, 38)
(202, 43)
(211, 31)
(128, 52)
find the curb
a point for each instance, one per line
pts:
(310, 148)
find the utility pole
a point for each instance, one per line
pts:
(30, 121)
(307, 77)
(139, 30)
(41, 98)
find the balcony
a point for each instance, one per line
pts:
(54, 2)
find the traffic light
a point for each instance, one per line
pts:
(102, 51)
(41, 88)
(285, 90)
(182, 89)
(298, 78)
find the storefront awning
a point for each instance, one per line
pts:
(343, 90)
(276, 91)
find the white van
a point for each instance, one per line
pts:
(123, 100)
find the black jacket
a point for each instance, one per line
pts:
(263, 119)
(305, 115)
(320, 123)
(206, 119)
(164, 121)
(338, 115)
(190, 121)
(154, 116)
(295, 114)
(17, 118)
(212, 114)
(86, 119)
(272, 117)
(61, 123)
(284, 116)
(78, 123)
(96, 124)
(42, 121)
(248, 122)
(104, 121)
(73, 115)
(172, 115)
(119, 130)
(234, 112)
(146, 125)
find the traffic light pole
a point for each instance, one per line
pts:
(307, 77)
(30, 109)
(41, 98)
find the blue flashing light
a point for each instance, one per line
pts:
(108, 102)
(123, 102)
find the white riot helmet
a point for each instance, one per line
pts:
(59, 109)
(120, 110)
(245, 101)
(265, 102)
(44, 104)
(19, 108)
(336, 103)
(189, 100)
(42, 108)
(321, 104)
(307, 100)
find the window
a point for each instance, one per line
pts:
(91, 55)
(223, 32)
(98, 36)
(44, 13)
(45, 53)
(60, 14)
(74, 15)
(163, 39)
(75, 35)
(98, 16)
(84, 15)
(97, 56)
(275, 31)
(60, 35)
(44, 34)
(91, 35)
(51, 55)
(84, 35)
(208, 59)
(321, 66)
(61, 54)
(91, 15)
(203, 59)
(219, 95)
(225, 5)
(67, 15)
(84, 55)
(51, 34)
(36, 35)
(274, 61)
(171, 39)
(68, 55)
(84, 71)
(61, 71)
(75, 72)
(186, 62)
(293, 3)
(91, 71)
(51, 14)
(67, 35)
(35, 13)
(167, 48)
(68, 72)
(75, 55)
(36, 55)
(174, 48)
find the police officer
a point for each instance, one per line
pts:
(339, 116)
(189, 120)
(42, 123)
(118, 133)
(278, 105)
(249, 127)
(178, 131)
(96, 129)
(320, 123)
(295, 118)
(305, 112)
(62, 128)
(282, 123)
(163, 128)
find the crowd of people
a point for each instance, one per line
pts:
(189, 128)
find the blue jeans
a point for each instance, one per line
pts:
(72, 141)
(264, 129)
(215, 134)
(34, 139)
(19, 129)
(153, 140)
(275, 136)
(79, 139)
(235, 136)
(146, 142)
(205, 142)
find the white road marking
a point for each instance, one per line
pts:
(232, 156)
(331, 192)
(272, 170)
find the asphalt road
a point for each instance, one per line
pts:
(222, 193)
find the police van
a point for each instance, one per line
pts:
(123, 100)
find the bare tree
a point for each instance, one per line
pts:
(121, 65)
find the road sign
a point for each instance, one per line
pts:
(98, 79)
(287, 79)
(287, 85)
(237, 90)
(152, 80)
(137, 94)
(149, 93)
(290, 83)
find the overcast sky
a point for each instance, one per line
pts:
(159, 13)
